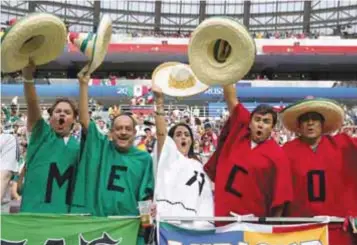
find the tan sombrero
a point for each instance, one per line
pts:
(177, 79)
(94, 46)
(39, 36)
(221, 51)
(329, 109)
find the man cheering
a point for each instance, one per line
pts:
(52, 152)
(113, 174)
(324, 167)
(251, 172)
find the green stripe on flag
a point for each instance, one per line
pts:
(38, 229)
(85, 42)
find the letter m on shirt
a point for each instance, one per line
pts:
(55, 175)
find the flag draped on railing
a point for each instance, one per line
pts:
(246, 234)
(40, 229)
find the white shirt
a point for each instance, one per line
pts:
(182, 188)
(9, 152)
(9, 155)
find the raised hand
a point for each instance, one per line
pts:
(29, 70)
(82, 78)
(157, 91)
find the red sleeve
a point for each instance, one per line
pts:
(283, 191)
(348, 145)
(239, 119)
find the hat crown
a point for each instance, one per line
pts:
(84, 42)
(180, 73)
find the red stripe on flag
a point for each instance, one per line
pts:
(182, 48)
(293, 228)
(272, 49)
(140, 48)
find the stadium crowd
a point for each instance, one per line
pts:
(185, 144)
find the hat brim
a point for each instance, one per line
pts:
(40, 36)
(101, 43)
(161, 78)
(329, 109)
(201, 51)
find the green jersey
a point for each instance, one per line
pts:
(49, 175)
(113, 182)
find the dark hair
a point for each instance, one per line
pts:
(207, 125)
(124, 114)
(197, 121)
(321, 117)
(191, 152)
(265, 109)
(65, 100)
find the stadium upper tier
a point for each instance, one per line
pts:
(288, 55)
(330, 45)
(181, 17)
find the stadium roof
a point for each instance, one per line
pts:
(184, 16)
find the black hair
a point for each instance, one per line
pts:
(322, 119)
(124, 114)
(264, 109)
(191, 152)
(65, 100)
(207, 125)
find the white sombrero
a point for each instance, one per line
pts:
(177, 79)
(94, 46)
(221, 51)
(39, 36)
(329, 109)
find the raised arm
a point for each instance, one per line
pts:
(161, 130)
(84, 118)
(33, 107)
(230, 96)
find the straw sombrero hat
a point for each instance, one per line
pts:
(329, 109)
(177, 79)
(94, 46)
(221, 51)
(39, 36)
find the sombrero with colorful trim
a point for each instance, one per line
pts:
(38, 36)
(94, 46)
(329, 109)
(177, 80)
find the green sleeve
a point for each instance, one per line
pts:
(93, 140)
(92, 144)
(146, 189)
(40, 133)
(6, 112)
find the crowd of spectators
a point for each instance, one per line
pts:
(205, 129)
(257, 35)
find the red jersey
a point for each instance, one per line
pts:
(325, 180)
(249, 181)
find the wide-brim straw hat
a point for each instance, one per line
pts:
(329, 109)
(39, 36)
(94, 46)
(221, 51)
(165, 76)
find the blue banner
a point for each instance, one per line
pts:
(214, 93)
(170, 234)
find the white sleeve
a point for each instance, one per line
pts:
(205, 207)
(169, 154)
(10, 153)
